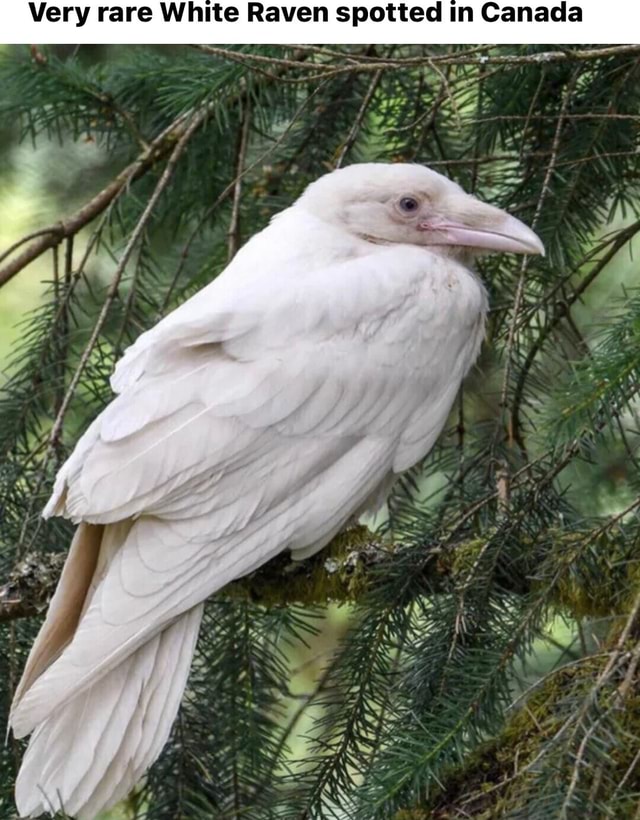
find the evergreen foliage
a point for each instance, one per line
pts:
(420, 711)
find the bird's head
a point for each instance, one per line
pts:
(410, 204)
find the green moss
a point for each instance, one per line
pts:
(485, 788)
(604, 578)
(466, 554)
(336, 573)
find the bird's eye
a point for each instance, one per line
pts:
(408, 204)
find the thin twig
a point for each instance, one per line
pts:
(22, 241)
(54, 234)
(357, 123)
(225, 194)
(519, 294)
(560, 310)
(575, 774)
(472, 57)
(233, 237)
(191, 126)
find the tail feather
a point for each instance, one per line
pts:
(90, 752)
(149, 732)
(66, 605)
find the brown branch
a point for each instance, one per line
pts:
(23, 241)
(157, 150)
(162, 145)
(342, 572)
(353, 63)
(354, 56)
(191, 126)
(530, 117)
(513, 429)
(233, 236)
(30, 586)
(476, 56)
(357, 124)
(561, 310)
(51, 236)
(336, 573)
(225, 194)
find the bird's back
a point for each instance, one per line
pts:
(259, 416)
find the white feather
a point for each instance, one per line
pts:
(259, 416)
(113, 731)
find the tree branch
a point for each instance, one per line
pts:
(562, 309)
(30, 586)
(163, 144)
(359, 62)
(49, 237)
(339, 573)
(192, 123)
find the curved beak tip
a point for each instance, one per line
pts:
(537, 247)
(482, 227)
(534, 242)
(520, 236)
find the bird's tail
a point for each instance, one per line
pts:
(90, 751)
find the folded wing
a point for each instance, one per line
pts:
(246, 425)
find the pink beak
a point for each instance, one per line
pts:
(481, 226)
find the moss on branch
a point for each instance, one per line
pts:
(501, 775)
(341, 572)
(346, 568)
(31, 584)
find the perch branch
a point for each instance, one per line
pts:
(338, 572)
(341, 572)
(359, 62)
(191, 125)
(30, 586)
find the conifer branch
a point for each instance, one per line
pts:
(357, 124)
(337, 573)
(513, 431)
(233, 237)
(30, 586)
(358, 63)
(478, 56)
(49, 237)
(341, 572)
(562, 309)
(190, 126)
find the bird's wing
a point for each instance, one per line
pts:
(228, 446)
(222, 398)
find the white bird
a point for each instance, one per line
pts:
(262, 415)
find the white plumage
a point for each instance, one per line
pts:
(261, 415)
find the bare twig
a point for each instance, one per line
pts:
(323, 69)
(357, 123)
(476, 56)
(234, 225)
(226, 193)
(161, 146)
(191, 126)
(23, 241)
(561, 309)
(513, 432)
(54, 234)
